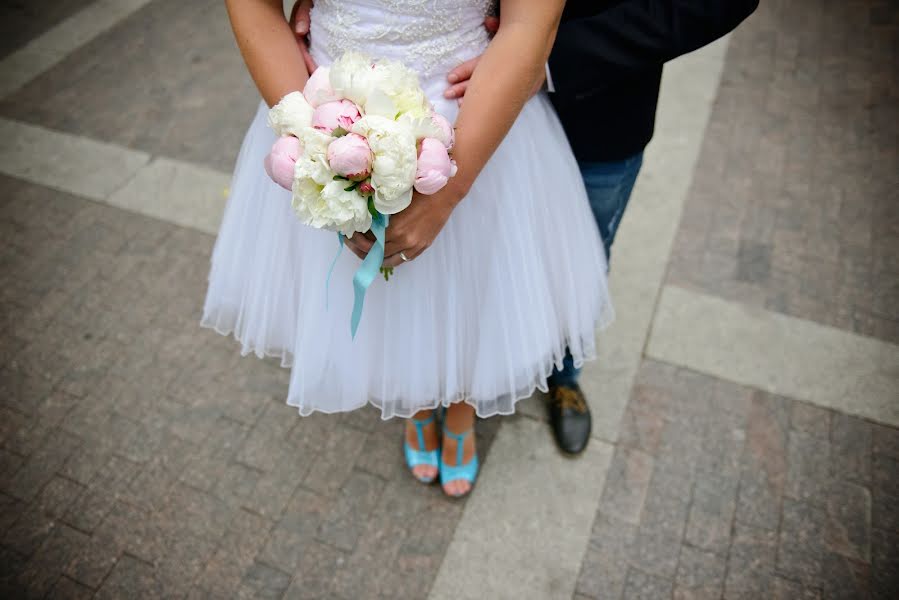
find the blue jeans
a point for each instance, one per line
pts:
(609, 186)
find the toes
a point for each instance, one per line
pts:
(424, 472)
(458, 487)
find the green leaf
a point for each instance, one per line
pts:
(351, 188)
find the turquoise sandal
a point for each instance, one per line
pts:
(414, 457)
(468, 471)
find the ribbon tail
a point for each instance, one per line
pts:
(369, 269)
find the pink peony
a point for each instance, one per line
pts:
(331, 115)
(318, 88)
(447, 128)
(350, 157)
(281, 160)
(366, 188)
(434, 167)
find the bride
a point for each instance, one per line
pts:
(488, 293)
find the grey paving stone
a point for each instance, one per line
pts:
(335, 461)
(135, 531)
(801, 546)
(296, 527)
(91, 507)
(58, 495)
(92, 562)
(700, 575)
(131, 578)
(884, 511)
(764, 472)
(886, 474)
(26, 534)
(808, 476)
(810, 419)
(643, 423)
(185, 555)
(262, 581)
(348, 515)
(885, 563)
(849, 521)
(753, 261)
(315, 573)
(643, 586)
(851, 440)
(845, 579)
(626, 484)
(43, 569)
(750, 562)
(784, 589)
(236, 554)
(66, 589)
(886, 440)
(710, 520)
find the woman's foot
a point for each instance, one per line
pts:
(425, 473)
(459, 421)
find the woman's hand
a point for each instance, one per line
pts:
(413, 230)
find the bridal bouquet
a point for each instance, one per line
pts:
(353, 147)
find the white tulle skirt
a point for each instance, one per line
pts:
(516, 276)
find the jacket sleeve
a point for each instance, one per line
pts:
(635, 35)
(579, 9)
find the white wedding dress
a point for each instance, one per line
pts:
(515, 277)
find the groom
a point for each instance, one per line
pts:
(607, 63)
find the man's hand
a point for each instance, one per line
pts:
(299, 23)
(460, 76)
(413, 230)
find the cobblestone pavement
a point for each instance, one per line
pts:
(141, 457)
(719, 489)
(803, 139)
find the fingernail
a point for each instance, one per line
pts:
(449, 94)
(452, 78)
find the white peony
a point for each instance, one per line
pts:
(401, 85)
(312, 162)
(394, 164)
(331, 206)
(314, 142)
(426, 126)
(350, 77)
(290, 115)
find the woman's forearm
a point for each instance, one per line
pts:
(268, 46)
(502, 83)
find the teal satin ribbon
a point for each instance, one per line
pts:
(366, 272)
(369, 268)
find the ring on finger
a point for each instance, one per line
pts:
(404, 257)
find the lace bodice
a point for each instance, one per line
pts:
(430, 36)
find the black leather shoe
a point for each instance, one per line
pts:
(569, 416)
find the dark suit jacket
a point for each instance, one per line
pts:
(606, 65)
